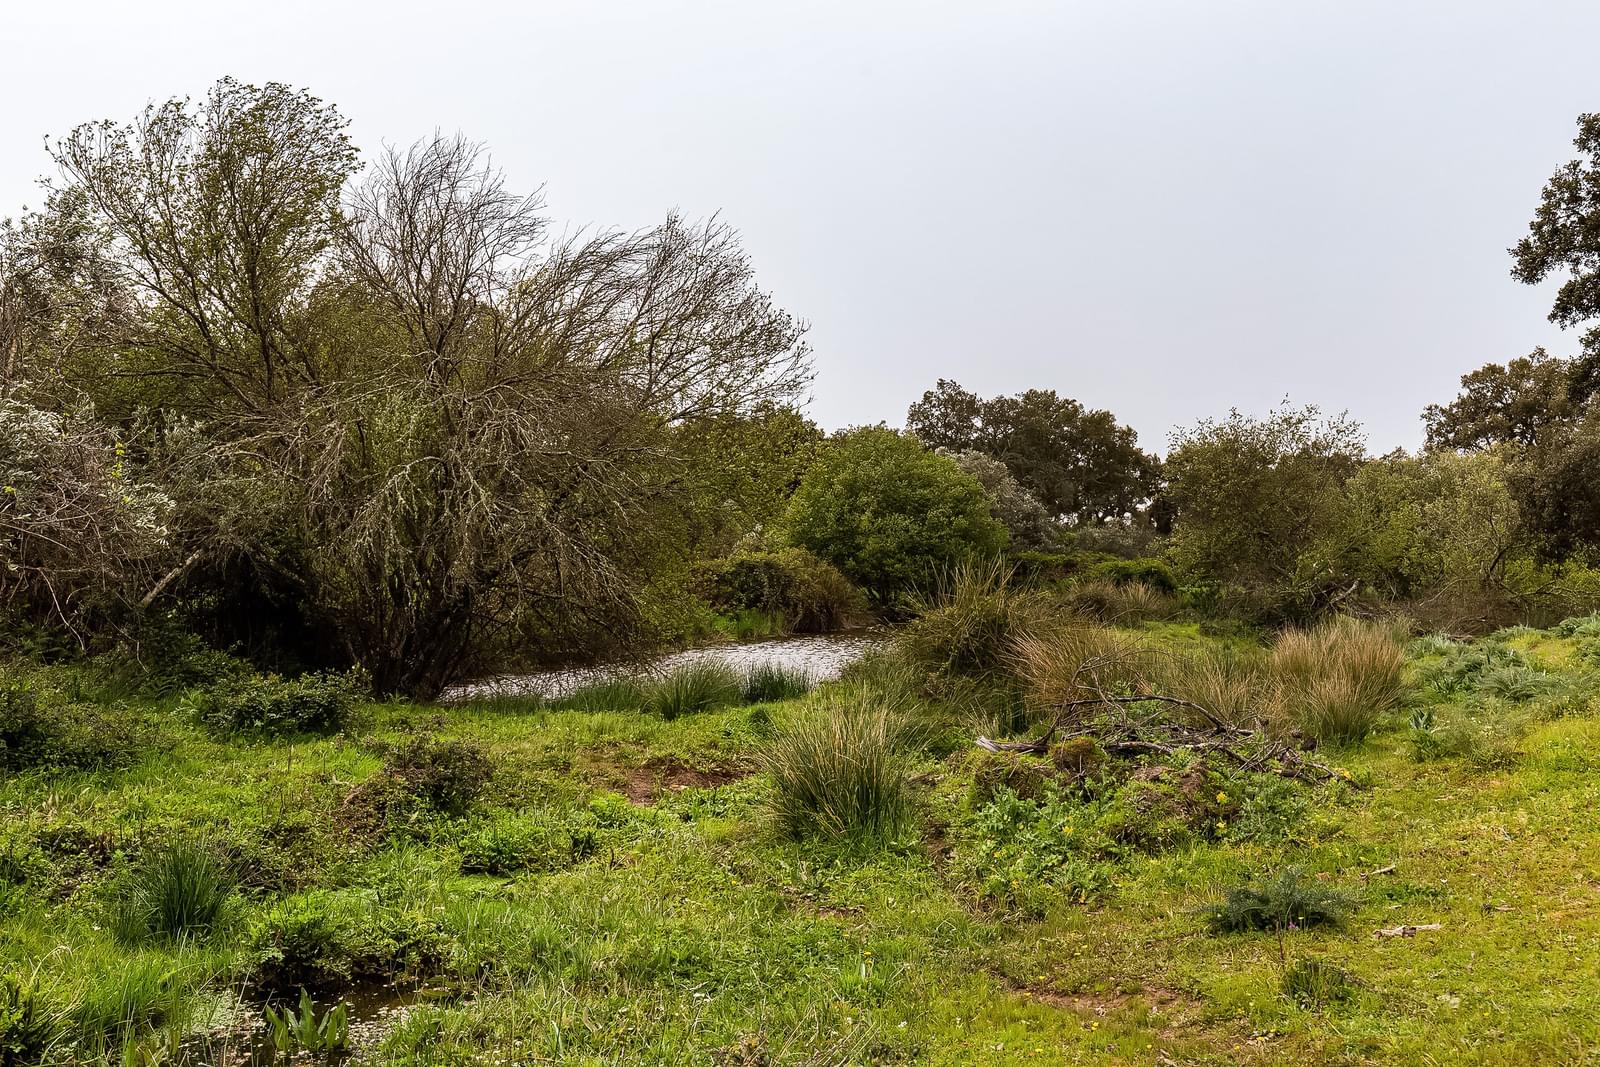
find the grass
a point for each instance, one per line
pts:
(1290, 901)
(838, 768)
(768, 683)
(1340, 676)
(693, 688)
(179, 891)
(565, 916)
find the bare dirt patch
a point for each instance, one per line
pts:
(649, 782)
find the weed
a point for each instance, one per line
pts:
(1315, 983)
(1288, 902)
(323, 1034)
(273, 706)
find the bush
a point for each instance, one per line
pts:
(790, 584)
(1287, 902)
(180, 891)
(692, 688)
(768, 683)
(509, 844)
(447, 775)
(41, 728)
(889, 513)
(1116, 604)
(272, 706)
(1340, 676)
(838, 768)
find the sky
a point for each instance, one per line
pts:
(1166, 208)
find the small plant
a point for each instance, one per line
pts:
(1315, 983)
(323, 1035)
(1516, 683)
(838, 769)
(274, 706)
(1034, 853)
(693, 688)
(771, 682)
(178, 892)
(446, 774)
(28, 1028)
(1287, 902)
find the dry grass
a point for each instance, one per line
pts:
(1124, 604)
(1339, 676)
(1238, 687)
(1079, 662)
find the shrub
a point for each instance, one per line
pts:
(41, 727)
(1314, 983)
(789, 584)
(693, 688)
(510, 844)
(838, 768)
(273, 706)
(771, 682)
(180, 891)
(1153, 573)
(889, 513)
(1289, 901)
(1340, 676)
(446, 774)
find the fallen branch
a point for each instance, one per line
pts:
(1407, 931)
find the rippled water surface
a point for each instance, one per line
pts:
(822, 656)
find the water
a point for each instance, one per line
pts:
(822, 656)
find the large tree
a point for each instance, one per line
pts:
(434, 428)
(1081, 463)
(1510, 403)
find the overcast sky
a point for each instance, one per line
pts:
(1164, 207)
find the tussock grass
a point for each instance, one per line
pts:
(693, 688)
(1080, 661)
(1120, 603)
(1235, 685)
(180, 891)
(966, 625)
(770, 682)
(1340, 676)
(607, 694)
(839, 769)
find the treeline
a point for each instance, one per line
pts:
(259, 397)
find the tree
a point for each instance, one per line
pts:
(1254, 495)
(1023, 516)
(1557, 489)
(1509, 403)
(1080, 463)
(890, 513)
(439, 432)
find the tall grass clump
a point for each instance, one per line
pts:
(1120, 603)
(1236, 686)
(607, 694)
(692, 688)
(1080, 661)
(767, 683)
(839, 768)
(178, 892)
(1340, 676)
(968, 622)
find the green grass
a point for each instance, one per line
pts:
(552, 919)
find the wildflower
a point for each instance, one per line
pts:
(1222, 798)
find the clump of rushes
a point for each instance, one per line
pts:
(180, 891)
(1339, 676)
(1288, 902)
(1314, 983)
(608, 694)
(693, 688)
(839, 768)
(770, 682)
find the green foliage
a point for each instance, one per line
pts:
(1290, 901)
(968, 625)
(272, 706)
(179, 891)
(1253, 496)
(1153, 573)
(790, 584)
(1029, 524)
(509, 844)
(29, 1026)
(1036, 853)
(1079, 462)
(1315, 983)
(40, 726)
(692, 688)
(890, 514)
(772, 682)
(1461, 668)
(839, 768)
(607, 694)
(446, 774)
(328, 937)
(323, 1034)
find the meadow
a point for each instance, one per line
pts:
(724, 870)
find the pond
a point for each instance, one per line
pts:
(821, 656)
